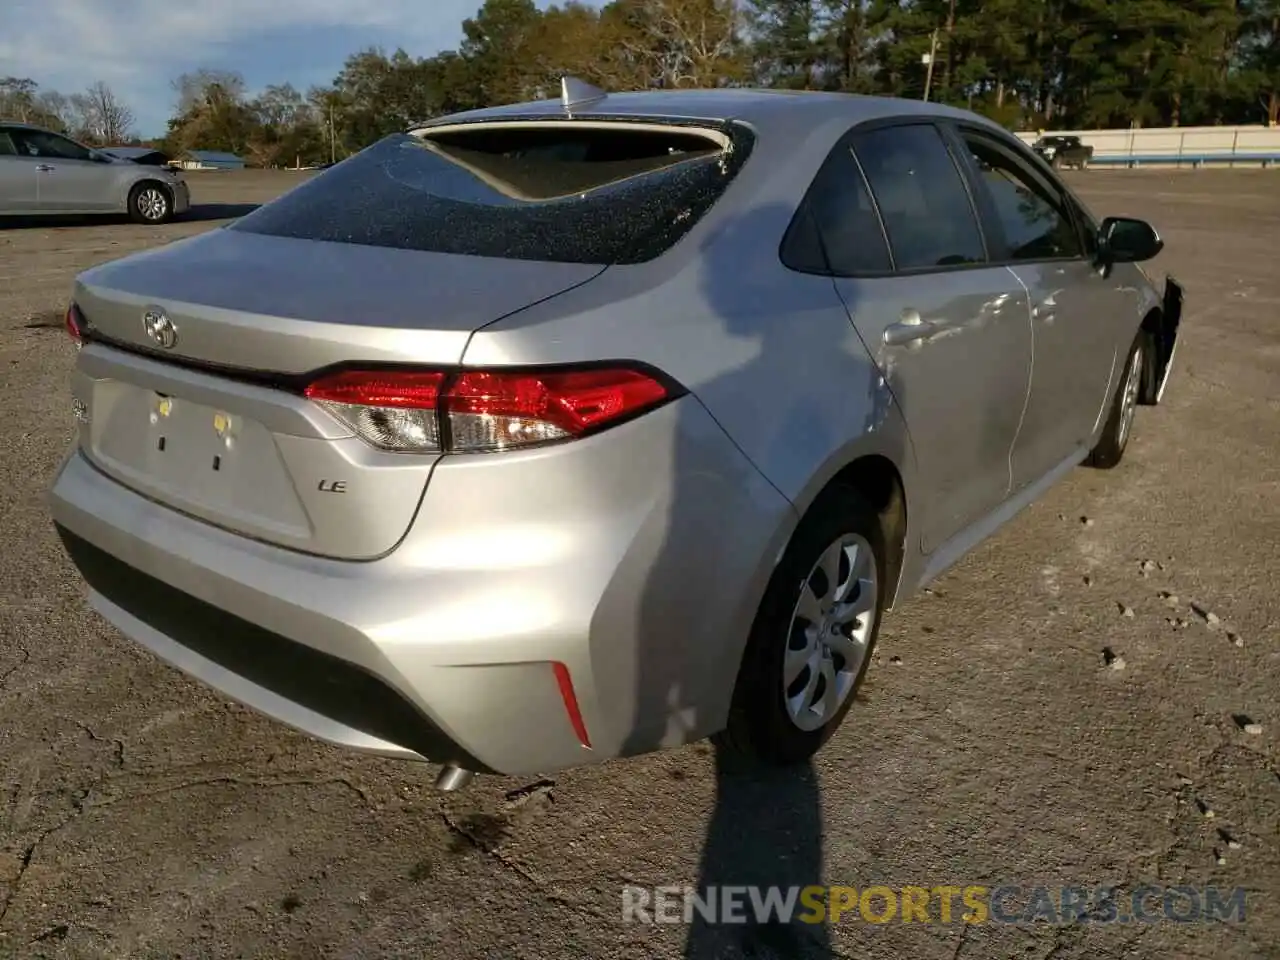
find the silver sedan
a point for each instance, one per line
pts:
(42, 172)
(564, 431)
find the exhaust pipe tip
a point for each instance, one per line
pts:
(453, 777)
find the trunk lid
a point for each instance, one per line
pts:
(203, 425)
(284, 305)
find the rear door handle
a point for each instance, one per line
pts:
(44, 168)
(910, 328)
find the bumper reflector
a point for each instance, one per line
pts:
(565, 682)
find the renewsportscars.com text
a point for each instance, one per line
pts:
(1009, 904)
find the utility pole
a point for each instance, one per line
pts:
(929, 58)
(333, 140)
(951, 26)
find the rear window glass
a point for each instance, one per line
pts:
(562, 192)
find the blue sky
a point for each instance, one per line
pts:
(138, 46)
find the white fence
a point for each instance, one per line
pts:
(1192, 146)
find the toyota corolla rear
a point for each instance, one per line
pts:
(288, 482)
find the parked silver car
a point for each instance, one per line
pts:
(556, 432)
(42, 172)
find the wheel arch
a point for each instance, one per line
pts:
(880, 482)
(148, 179)
(880, 485)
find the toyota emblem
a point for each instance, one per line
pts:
(160, 328)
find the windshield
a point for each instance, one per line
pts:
(555, 191)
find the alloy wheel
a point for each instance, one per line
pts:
(153, 204)
(831, 629)
(1129, 399)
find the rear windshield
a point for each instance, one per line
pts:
(560, 191)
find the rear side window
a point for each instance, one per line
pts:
(922, 198)
(846, 219)
(39, 143)
(557, 191)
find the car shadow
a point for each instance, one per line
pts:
(198, 213)
(766, 829)
(201, 212)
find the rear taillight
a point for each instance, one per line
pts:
(390, 410)
(75, 324)
(477, 411)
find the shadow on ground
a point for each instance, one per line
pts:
(204, 212)
(766, 831)
(199, 213)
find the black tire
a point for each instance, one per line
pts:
(150, 202)
(1109, 450)
(760, 730)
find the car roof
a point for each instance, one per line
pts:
(127, 151)
(213, 155)
(21, 125)
(766, 110)
(793, 132)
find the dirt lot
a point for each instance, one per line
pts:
(143, 816)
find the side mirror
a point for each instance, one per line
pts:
(1127, 240)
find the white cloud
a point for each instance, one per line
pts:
(138, 46)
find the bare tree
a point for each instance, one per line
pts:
(193, 89)
(687, 43)
(17, 98)
(282, 106)
(100, 115)
(21, 99)
(53, 109)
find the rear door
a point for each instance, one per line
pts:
(1073, 303)
(17, 177)
(949, 331)
(67, 177)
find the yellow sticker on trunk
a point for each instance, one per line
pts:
(221, 423)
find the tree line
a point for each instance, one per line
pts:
(95, 115)
(1029, 64)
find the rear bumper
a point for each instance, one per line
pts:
(326, 695)
(635, 559)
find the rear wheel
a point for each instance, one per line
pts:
(1110, 447)
(813, 635)
(150, 202)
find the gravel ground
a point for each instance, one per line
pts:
(1055, 711)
